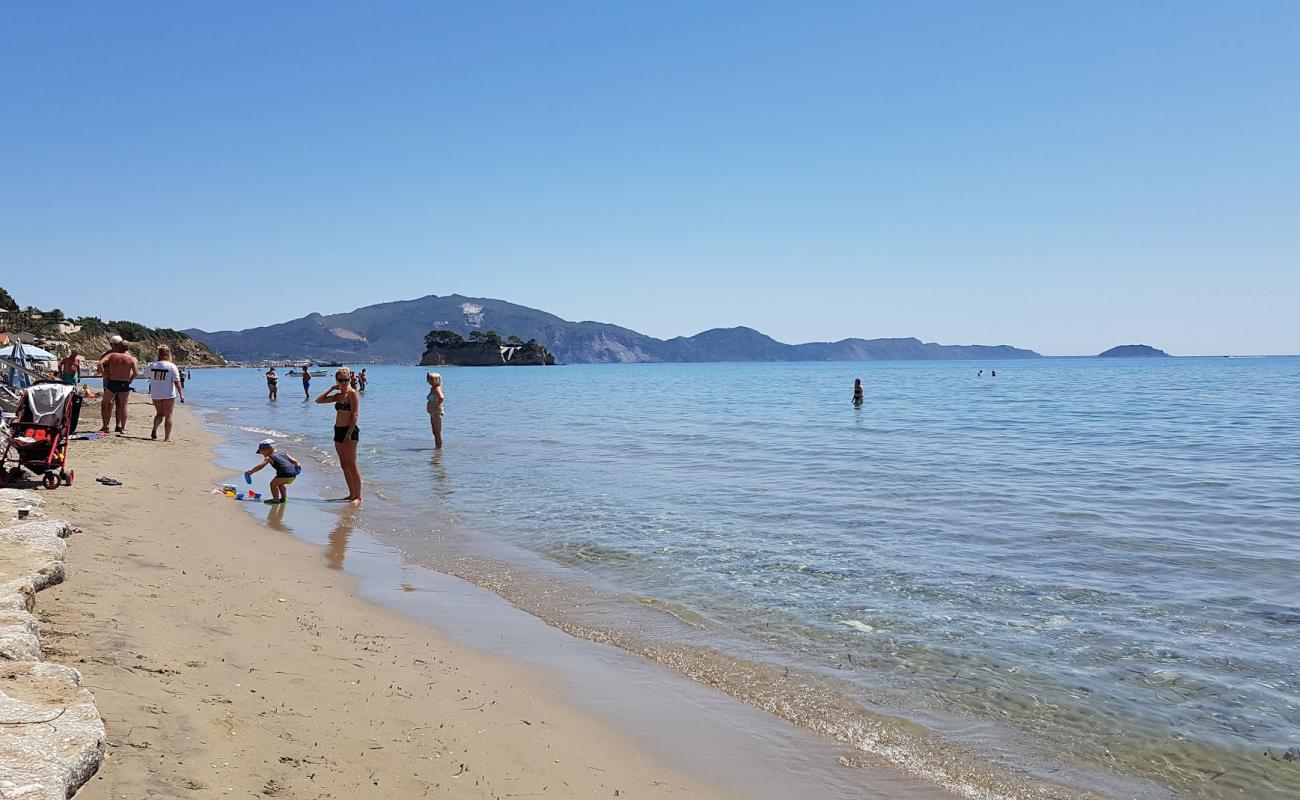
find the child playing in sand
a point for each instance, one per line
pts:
(286, 469)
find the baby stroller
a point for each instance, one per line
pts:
(38, 435)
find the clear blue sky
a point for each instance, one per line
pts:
(1058, 175)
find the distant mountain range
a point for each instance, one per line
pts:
(394, 333)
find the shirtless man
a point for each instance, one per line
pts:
(70, 368)
(119, 368)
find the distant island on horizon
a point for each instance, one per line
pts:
(448, 349)
(1134, 351)
(395, 333)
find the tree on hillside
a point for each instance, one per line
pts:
(91, 326)
(443, 339)
(6, 302)
(514, 341)
(489, 337)
(131, 331)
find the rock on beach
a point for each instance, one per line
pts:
(51, 734)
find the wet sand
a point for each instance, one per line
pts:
(229, 659)
(226, 661)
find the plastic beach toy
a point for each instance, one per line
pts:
(297, 470)
(248, 478)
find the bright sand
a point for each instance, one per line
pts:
(228, 661)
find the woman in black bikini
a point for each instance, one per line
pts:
(347, 410)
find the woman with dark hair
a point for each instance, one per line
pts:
(347, 410)
(857, 392)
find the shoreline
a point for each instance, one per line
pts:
(940, 756)
(227, 660)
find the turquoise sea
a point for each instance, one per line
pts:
(1082, 572)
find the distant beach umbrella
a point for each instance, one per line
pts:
(31, 352)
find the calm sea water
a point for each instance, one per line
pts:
(1088, 569)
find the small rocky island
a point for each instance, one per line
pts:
(483, 349)
(1134, 351)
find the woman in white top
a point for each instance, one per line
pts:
(164, 387)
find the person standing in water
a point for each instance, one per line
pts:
(361, 380)
(857, 393)
(306, 381)
(347, 410)
(433, 404)
(272, 384)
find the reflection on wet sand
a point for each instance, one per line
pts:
(442, 487)
(338, 539)
(275, 519)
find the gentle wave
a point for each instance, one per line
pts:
(1091, 564)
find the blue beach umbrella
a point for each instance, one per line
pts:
(17, 378)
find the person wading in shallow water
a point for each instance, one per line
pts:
(433, 404)
(857, 392)
(306, 381)
(272, 384)
(347, 410)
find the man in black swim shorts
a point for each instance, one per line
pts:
(119, 368)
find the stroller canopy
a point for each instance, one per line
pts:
(47, 402)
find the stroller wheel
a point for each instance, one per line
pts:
(69, 476)
(5, 480)
(50, 481)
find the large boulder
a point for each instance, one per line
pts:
(51, 736)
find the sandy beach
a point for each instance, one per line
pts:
(227, 661)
